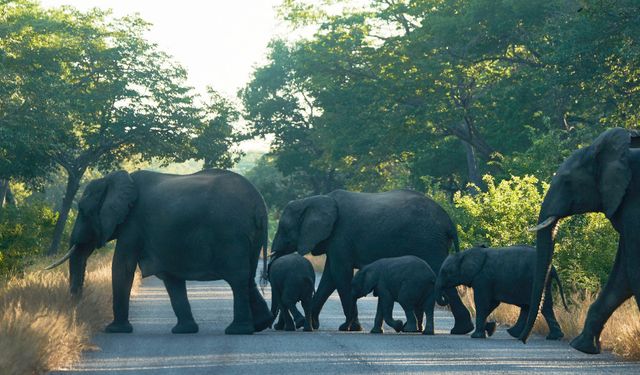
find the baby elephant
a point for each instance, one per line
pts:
(407, 280)
(500, 275)
(292, 279)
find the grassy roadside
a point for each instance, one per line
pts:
(621, 335)
(41, 327)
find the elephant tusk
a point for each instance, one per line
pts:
(544, 224)
(63, 259)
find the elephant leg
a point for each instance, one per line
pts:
(484, 307)
(350, 310)
(386, 300)
(325, 288)
(428, 307)
(404, 299)
(555, 332)
(262, 317)
(177, 290)
(463, 324)
(614, 293)
(122, 272)
(242, 323)
(289, 325)
(275, 309)
(522, 319)
(290, 298)
(419, 311)
(306, 306)
(377, 322)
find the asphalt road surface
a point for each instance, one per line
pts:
(152, 349)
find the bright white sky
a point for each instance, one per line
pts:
(217, 41)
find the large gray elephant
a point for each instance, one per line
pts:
(603, 177)
(500, 275)
(208, 225)
(355, 229)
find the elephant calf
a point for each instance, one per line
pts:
(408, 280)
(292, 279)
(500, 275)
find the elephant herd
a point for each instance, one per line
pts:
(212, 225)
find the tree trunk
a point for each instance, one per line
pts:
(73, 184)
(6, 195)
(472, 168)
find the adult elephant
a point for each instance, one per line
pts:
(355, 229)
(208, 225)
(603, 177)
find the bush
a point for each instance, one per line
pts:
(585, 244)
(25, 232)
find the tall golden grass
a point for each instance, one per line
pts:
(41, 327)
(621, 334)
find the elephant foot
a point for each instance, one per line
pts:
(279, 326)
(407, 328)
(397, 325)
(355, 326)
(186, 327)
(300, 322)
(307, 328)
(428, 331)
(239, 329)
(479, 335)
(586, 344)
(315, 322)
(116, 327)
(514, 331)
(462, 328)
(376, 330)
(490, 328)
(289, 328)
(555, 335)
(262, 324)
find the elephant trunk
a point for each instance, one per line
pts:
(77, 270)
(544, 254)
(441, 299)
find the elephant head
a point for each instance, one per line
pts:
(104, 205)
(460, 269)
(304, 225)
(591, 179)
(363, 283)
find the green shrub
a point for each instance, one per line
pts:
(25, 232)
(500, 216)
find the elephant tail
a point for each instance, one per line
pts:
(554, 275)
(442, 299)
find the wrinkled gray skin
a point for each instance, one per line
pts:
(292, 280)
(407, 280)
(603, 177)
(208, 225)
(500, 275)
(355, 229)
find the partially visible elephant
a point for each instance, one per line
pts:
(500, 275)
(355, 229)
(208, 225)
(407, 280)
(292, 280)
(603, 177)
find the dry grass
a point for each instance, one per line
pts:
(621, 335)
(41, 327)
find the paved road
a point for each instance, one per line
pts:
(152, 349)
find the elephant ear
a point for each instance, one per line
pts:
(120, 194)
(316, 222)
(471, 263)
(613, 174)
